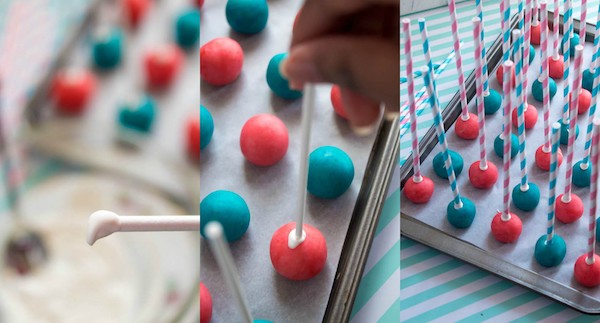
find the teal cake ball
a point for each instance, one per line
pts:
(564, 132)
(247, 16)
(499, 146)
(187, 28)
(138, 116)
(330, 172)
(492, 102)
(587, 80)
(526, 200)
(531, 53)
(439, 164)
(278, 84)
(574, 42)
(461, 218)
(227, 208)
(582, 177)
(107, 48)
(537, 90)
(550, 253)
(207, 127)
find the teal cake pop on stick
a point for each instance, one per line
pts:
(492, 100)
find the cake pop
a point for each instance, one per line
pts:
(264, 140)
(566, 128)
(205, 304)
(229, 209)
(556, 63)
(138, 115)
(483, 174)
(439, 163)
(537, 89)
(72, 89)
(277, 83)
(506, 227)
(330, 172)
(530, 116)
(499, 145)
(221, 61)
(207, 127)
(162, 64)
(492, 100)
(135, 10)
(187, 28)
(336, 100)
(107, 47)
(298, 251)
(192, 135)
(247, 16)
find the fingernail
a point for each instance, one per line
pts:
(363, 131)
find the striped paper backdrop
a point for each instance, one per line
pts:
(436, 287)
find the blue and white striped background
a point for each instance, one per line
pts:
(437, 287)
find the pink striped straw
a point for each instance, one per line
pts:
(479, 89)
(573, 122)
(459, 66)
(526, 50)
(544, 76)
(593, 194)
(535, 12)
(505, 14)
(582, 23)
(507, 89)
(555, 28)
(410, 83)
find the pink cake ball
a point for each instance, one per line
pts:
(585, 100)
(536, 33)
(264, 140)
(467, 129)
(420, 192)
(568, 212)
(303, 262)
(556, 68)
(483, 179)
(542, 158)
(530, 114)
(205, 304)
(336, 101)
(500, 75)
(506, 231)
(162, 64)
(587, 275)
(221, 61)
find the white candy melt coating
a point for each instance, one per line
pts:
(101, 224)
(293, 242)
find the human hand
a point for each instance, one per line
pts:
(352, 43)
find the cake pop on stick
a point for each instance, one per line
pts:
(585, 97)
(538, 87)
(589, 74)
(492, 100)
(506, 226)
(526, 196)
(505, 25)
(568, 31)
(483, 174)
(103, 223)
(298, 251)
(569, 206)
(535, 25)
(568, 43)
(418, 188)
(542, 154)
(556, 64)
(214, 233)
(587, 266)
(439, 161)
(466, 126)
(530, 112)
(582, 172)
(550, 249)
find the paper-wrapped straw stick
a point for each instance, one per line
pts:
(555, 28)
(535, 10)
(552, 182)
(568, 32)
(484, 74)
(526, 33)
(504, 22)
(593, 194)
(545, 76)
(582, 23)
(594, 70)
(417, 74)
(411, 100)
(573, 122)
(477, 26)
(506, 86)
(520, 110)
(459, 66)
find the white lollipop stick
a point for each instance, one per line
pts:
(214, 232)
(298, 235)
(104, 223)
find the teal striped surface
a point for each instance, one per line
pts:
(437, 287)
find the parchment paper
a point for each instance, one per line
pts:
(489, 201)
(270, 191)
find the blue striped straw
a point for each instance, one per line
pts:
(517, 35)
(592, 112)
(568, 17)
(484, 74)
(552, 181)
(426, 51)
(505, 13)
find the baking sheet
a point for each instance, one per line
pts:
(160, 160)
(487, 202)
(270, 192)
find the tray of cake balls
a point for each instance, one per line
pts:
(123, 96)
(249, 170)
(522, 208)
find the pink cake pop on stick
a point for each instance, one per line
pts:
(483, 174)
(535, 25)
(585, 96)
(556, 64)
(506, 226)
(569, 206)
(419, 188)
(542, 154)
(587, 266)
(466, 126)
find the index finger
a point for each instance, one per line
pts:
(318, 17)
